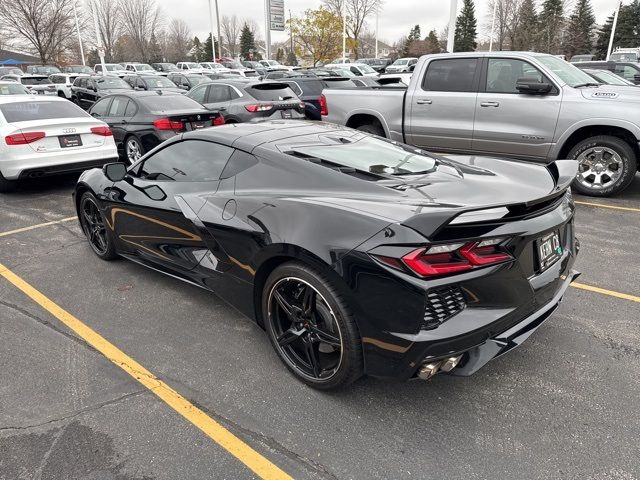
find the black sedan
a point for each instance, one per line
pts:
(186, 81)
(358, 255)
(140, 121)
(86, 91)
(152, 82)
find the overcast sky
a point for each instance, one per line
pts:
(396, 17)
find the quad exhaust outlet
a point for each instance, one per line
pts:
(430, 369)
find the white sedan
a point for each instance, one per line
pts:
(358, 69)
(44, 136)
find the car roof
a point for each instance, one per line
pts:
(147, 93)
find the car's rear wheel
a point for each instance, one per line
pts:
(95, 227)
(6, 185)
(311, 327)
(133, 150)
(607, 165)
(372, 128)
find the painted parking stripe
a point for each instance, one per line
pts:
(257, 463)
(33, 227)
(611, 293)
(613, 207)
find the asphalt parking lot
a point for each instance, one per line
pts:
(563, 406)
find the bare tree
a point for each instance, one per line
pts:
(231, 28)
(109, 17)
(43, 24)
(179, 41)
(357, 13)
(140, 19)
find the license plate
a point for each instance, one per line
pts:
(197, 125)
(286, 114)
(549, 250)
(67, 141)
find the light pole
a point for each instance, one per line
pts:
(99, 42)
(344, 30)
(377, 24)
(613, 30)
(452, 26)
(213, 47)
(75, 16)
(267, 29)
(218, 29)
(493, 24)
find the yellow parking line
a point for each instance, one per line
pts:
(33, 227)
(611, 293)
(613, 207)
(262, 467)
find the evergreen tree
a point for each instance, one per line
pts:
(414, 34)
(292, 61)
(155, 52)
(551, 26)
(527, 34)
(581, 23)
(602, 43)
(210, 49)
(628, 29)
(432, 43)
(280, 55)
(197, 52)
(466, 28)
(247, 41)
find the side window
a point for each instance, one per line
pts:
(626, 72)
(131, 109)
(140, 84)
(129, 68)
(355, 71)
(503, 74)
(452, 75)
(187, 161)
(218, 94)
(100, 108)
(118, 107)
(199, 94)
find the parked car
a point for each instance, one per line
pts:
(152, 82)
(63, 83)
(237, 67)
(342, 60)
(309, 90)
(36, 84)
(45, 136)
(357, 255)
(140, 68)
(213, 66)
(165, 68)
(529, 106)
(365, 81)
(378, 64)
(257, 66)
(42, 70)
(627, 70)
(249, 101)
(77, 69)
(113, 69)
(213, 75)
(141, 121)
(401, 65)
(606, 77)
(186, 81)
(10, 71)
(581, 58)
(271, 65)
(190, 67)
(625, 55)
(391, 78)
(13, 88)
(88, 90)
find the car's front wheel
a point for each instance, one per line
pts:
(607, 165)
(311, 327)
(95, 227)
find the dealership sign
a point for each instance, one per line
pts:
(276, 15)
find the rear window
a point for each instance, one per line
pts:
(35, 81)
(311, 87)
(272, 92)
(163, 103)
(159, 82)
(109, 83)
(27, 111)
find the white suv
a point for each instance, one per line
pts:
(64, 81)
(139, 68)
(191, 67)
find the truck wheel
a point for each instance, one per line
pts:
(607, 165)
(6, 185)
(372, 128)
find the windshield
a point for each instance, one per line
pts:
(373, 155)
(193, 65)
(80, 69)
(143, 67)
(112, 67)
(624, 57)
(367, 69)
(13, 89)
(609, 78)
(569, 74)
(109, 83)
(35, 80)
(167, 102)
(45, 70)
(401, 61)
(159, 82)
(233, 65)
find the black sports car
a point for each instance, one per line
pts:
(358, 255)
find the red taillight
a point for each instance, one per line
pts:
(219, 120)
(324, 110)
(456, 257)
(259, 107)
(102, 131)
(23, 138)
(168, 124)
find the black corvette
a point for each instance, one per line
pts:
(358, 255)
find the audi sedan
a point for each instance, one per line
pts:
(357, 255)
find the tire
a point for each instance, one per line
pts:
(339, 359)
(607, 166)
(373, 128)
(7, 186)
(134, 144)
(93, 225)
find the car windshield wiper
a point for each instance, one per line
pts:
(587, 84)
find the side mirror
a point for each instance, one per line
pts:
(636, 78)
(183, 87)
(115, 171)
(532, 86)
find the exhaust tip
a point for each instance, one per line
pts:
(428, 370)
(450, 363)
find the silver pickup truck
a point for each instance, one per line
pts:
(526, 106)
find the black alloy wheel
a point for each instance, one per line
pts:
(310, 327)
(94, 227)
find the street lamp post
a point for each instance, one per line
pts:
(452, 26)
(613, 30)
(75, 16)
(493, 24)
(344, 30)
(99, 42)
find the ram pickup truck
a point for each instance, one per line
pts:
(520, 105)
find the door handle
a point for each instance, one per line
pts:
(424, 101)
(490, 104)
